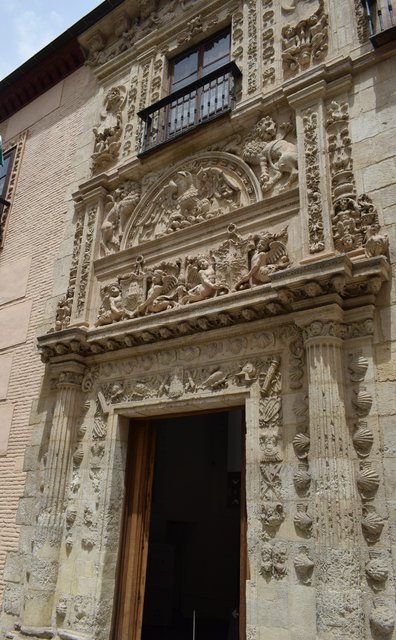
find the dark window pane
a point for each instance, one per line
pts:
(185, 70)
(216, 52)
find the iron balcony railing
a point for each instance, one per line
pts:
(197, 103)
(381, 19)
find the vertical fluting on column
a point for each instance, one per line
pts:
(59, 452)
(335, 507)
(38, 609)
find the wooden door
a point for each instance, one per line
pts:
(133, 560)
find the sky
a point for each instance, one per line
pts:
(26, 26)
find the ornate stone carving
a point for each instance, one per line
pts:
(382, 620)
(252, 46)
(361, 22)
(367, 480)
(302, 519)
(237, 35)
(272, 516)
(130, 125)
(172, 284)
(202, 189)
(305, 42)
(195, 26)
(372, 524)
(268, 49)
(315, 211)
(109, 131)
(275, 158)
(377, 570)
(120, 206)
(304, 565)
(302, 478)
(274, 560)
(363, 439)
(86, 261)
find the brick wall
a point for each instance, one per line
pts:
(39, 236)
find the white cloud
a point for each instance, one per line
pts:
(34, 31)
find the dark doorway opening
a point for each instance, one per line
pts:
(194, 562)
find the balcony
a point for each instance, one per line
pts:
(189, 107)
(381, 21)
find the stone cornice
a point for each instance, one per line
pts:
(334, 281)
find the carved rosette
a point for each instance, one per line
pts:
(315, 209)
(305, 41)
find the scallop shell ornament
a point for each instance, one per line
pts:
(304, 566)
(367, 480)
(372, 525)
(377, 571)
(358, 366)
(78, 456)
(302, 478)
(301, 444)
(363, 401)
(382, 620)
(302, 519)
(363, 440)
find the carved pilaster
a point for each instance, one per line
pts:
(51, 516)
(335, 518)
(315, 197)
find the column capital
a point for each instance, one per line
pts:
(68, 374)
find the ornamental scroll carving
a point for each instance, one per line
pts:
(305, 39)
(108, 131)
(204, 188)
(272, 156)
(355, 222)
(238, 263)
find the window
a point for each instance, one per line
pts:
(202, 86)
(381, 21)
(5, 173)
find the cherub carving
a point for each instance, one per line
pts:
(120, 205)
(202, 271)
(269, 255)
(162, 284)
(108, 132)
(112, 308)
(276, 158)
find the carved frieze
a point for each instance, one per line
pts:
(238, 263)
(304, 37)
(109, 130)
(272, 156)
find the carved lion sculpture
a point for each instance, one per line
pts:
(276, 158)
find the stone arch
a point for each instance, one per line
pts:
(202, 188)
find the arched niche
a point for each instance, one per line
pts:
(191, 192)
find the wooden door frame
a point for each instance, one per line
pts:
(130, 591)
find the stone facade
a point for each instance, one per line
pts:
(247, 263)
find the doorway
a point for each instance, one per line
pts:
(192, 530)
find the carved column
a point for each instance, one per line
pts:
(335, 503)
(50, 521)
